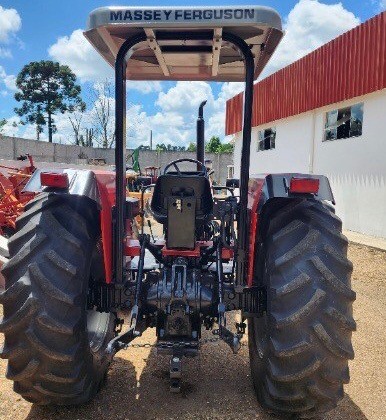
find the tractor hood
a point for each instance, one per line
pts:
(188, 58)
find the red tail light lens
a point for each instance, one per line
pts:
(304, 185)
(53, 179)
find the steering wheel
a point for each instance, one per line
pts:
(202, 172)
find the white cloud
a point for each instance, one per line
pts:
(176, 121)
(76, 52)
(144, 86)
(11, 128)
(309, 25)
(216, 121)
(185, 97)
(10, 23)
(9, 81)
(5, 53)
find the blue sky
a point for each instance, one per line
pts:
(43, 22)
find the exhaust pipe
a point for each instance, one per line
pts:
(201, 134)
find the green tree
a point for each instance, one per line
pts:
(45, 88)
(213, 145)
(135, 158)
(226, 148)
(3, 121)
(160, 147)
(81, 141)
(192, 147)
(89, 137)
(39, 121)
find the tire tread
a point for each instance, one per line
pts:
(309, 321)
(46, 342)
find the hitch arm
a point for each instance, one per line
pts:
(119, 342)
(233, 340)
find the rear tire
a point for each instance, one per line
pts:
(55, 347)
(299, 350)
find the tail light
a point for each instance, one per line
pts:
(304, 185)
(54, 180)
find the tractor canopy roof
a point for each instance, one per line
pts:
(188, 58)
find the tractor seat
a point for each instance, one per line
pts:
(188, 185)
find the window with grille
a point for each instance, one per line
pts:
(344, 123)
(266, 140)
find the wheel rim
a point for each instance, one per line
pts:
(97, 322)
(97, 328)
(260, 325)
(260, 336)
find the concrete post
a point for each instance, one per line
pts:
(14, 147)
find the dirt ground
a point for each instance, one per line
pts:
(217, 384)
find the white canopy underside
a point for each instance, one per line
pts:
(185, 59)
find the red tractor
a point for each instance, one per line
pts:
(275, 253)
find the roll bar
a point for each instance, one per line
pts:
(124, 53)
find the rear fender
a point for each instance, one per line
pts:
(99, 187)
(262, 189)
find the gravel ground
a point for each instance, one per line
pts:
(217, 384)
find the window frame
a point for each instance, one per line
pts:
(271, 140)
(333, 116)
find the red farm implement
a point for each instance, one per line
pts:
(12, 198)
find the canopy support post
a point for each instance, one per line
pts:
(119, 224)
(243, 223)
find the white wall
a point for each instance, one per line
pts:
(291, 155)
(356, 166)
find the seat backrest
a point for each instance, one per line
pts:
(184, 185)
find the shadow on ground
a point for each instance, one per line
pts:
(216, 385)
